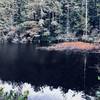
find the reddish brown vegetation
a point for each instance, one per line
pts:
(73, 45)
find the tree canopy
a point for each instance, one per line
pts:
(54, 17)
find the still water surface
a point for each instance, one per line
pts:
(24, 63)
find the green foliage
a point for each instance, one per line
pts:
(99, 78)
(13, 96)
(98, 95)
(55, 16)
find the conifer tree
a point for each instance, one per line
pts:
(19, 11)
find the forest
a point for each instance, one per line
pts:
(49, 21)
(49, 49)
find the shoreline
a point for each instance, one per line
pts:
(72, 46)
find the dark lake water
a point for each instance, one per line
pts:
(24, 63)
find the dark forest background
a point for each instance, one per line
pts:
(49, 20)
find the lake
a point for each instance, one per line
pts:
(25, 63)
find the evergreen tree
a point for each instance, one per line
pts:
(92, 13)
(19, 11)
(63, 18)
